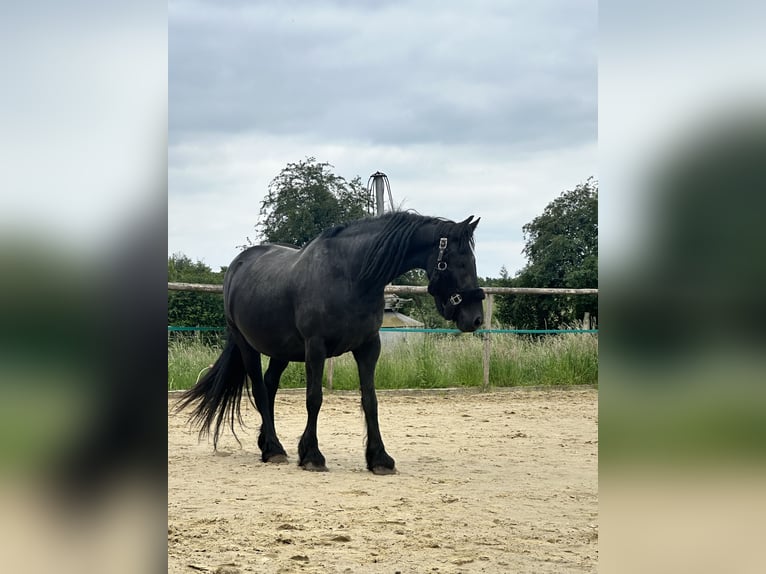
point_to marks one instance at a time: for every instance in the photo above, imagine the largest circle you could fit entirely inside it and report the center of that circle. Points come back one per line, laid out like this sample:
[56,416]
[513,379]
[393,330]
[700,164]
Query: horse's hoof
[381,470]
[277,459]
[315,467]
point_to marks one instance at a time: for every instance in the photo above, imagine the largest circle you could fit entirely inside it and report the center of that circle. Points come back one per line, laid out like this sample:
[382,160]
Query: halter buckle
[456,299]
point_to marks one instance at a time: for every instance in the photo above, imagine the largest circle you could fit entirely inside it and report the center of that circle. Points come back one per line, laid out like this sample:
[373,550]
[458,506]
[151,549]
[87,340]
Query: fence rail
[417,289]
[172,329]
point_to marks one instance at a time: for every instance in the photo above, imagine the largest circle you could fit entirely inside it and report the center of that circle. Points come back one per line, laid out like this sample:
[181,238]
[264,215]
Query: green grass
[433,361]
[185,361]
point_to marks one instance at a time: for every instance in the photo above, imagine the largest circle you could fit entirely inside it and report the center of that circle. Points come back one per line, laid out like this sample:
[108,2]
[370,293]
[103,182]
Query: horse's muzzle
[459,298]
[464,308]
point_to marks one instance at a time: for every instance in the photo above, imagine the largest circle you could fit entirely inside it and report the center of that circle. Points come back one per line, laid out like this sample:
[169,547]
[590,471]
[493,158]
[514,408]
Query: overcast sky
[487,108]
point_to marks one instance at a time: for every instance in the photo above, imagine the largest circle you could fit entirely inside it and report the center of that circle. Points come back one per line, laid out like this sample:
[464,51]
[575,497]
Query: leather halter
[457,297]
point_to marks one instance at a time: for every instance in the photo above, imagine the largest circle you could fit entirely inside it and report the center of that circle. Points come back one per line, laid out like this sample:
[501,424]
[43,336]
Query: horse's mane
[393,233]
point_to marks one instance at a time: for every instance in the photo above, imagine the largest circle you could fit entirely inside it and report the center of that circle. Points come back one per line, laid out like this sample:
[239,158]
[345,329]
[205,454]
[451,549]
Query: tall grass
[186,359]
[433,361]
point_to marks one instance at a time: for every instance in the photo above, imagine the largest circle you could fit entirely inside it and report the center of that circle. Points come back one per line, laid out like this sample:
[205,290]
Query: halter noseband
[458,296]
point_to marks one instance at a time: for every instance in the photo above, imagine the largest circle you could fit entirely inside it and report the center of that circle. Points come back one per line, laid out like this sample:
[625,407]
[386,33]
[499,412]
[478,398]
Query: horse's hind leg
[271,449]
[309,456]
[271,379]
[378,460]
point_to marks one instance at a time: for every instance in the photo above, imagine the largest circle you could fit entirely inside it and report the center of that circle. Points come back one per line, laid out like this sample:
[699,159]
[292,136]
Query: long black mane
[394,233]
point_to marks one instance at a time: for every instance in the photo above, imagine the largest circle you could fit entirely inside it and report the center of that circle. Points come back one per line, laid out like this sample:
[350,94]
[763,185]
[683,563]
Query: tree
[561,246]
[193,309]
[307,198]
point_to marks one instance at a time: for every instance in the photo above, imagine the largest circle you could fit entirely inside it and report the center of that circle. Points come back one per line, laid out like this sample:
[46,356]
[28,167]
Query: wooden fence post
[487,325]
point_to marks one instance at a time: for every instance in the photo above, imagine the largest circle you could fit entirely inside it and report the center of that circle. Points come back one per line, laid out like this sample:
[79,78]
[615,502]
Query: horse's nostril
[478,321]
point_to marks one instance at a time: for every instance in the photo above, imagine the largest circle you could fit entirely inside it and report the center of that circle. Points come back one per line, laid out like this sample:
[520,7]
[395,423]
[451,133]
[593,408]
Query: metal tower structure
[377,184]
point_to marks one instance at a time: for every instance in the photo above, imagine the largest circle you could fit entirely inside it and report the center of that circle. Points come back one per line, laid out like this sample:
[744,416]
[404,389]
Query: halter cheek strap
[441,265]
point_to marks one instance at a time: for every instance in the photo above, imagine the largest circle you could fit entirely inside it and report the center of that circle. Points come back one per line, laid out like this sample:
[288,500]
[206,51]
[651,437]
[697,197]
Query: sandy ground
[505,481]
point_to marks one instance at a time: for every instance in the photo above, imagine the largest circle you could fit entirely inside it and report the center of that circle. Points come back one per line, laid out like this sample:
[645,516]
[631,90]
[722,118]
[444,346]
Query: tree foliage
[305,199]
[194,309]
[561,246]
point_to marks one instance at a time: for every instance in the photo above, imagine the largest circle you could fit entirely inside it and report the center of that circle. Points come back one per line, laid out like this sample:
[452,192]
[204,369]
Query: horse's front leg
[309,456]
[378,460]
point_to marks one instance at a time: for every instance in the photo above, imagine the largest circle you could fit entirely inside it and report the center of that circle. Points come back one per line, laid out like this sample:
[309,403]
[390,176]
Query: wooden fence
[207,288]
[417,289]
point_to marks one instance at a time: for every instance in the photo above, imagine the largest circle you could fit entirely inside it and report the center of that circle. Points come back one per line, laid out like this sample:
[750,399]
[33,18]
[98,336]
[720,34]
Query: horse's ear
[469,226]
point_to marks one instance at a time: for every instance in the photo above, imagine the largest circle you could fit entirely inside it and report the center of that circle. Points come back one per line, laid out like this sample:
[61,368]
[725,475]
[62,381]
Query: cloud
[502,73]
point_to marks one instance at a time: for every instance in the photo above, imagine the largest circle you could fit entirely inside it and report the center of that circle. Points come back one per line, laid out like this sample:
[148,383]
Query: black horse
[321,301]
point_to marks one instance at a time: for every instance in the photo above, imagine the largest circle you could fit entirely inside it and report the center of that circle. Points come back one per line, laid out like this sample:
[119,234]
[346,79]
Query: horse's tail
[218,393]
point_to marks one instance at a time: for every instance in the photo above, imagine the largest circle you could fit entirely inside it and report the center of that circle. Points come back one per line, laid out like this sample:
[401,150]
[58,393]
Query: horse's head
[452,277]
